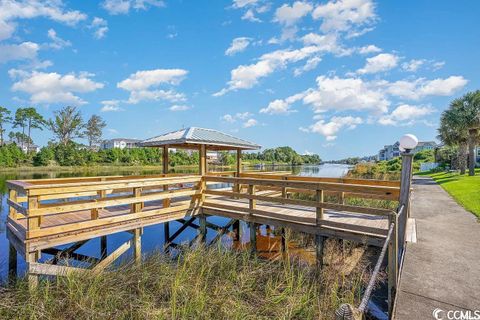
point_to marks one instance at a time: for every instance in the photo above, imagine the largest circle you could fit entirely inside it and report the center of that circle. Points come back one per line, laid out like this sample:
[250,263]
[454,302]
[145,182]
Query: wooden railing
[80,203]
[76,203]
[316,188]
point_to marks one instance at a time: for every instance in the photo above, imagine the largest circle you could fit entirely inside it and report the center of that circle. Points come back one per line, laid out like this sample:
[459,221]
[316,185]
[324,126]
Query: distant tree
[67,125]
[93,130]
[20,121]
[34,120]
[19,138]
[5,117]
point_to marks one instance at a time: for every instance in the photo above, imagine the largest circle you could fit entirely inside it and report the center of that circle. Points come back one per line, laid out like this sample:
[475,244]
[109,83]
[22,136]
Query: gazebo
[200,139]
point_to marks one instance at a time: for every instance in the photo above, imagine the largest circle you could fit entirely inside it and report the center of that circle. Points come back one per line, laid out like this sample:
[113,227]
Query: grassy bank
[463,188]
[202,283]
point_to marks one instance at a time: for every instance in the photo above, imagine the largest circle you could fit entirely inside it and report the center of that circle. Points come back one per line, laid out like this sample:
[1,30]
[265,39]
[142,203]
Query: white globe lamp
[408,142]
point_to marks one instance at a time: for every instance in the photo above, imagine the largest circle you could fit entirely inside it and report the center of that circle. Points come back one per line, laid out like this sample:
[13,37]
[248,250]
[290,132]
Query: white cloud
[22,51]
[143,85]
[228,118]
[123,6]
[345,94]
[238,116]
[369,49]
[289,15]
[413,65]
[250,123]
[325,43]
[100,27]
[178,107]
[53,87]
[10,11]
[405,114]
[247,76]
[110,106]
[57,42]
[311,64]
[249,15]
[330,129]
[279,106]
[237,45]
[351,16]
[380,63]
[238,4]
[421,87]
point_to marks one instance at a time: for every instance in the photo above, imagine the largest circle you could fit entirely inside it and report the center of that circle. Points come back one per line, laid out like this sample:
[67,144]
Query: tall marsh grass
[199,283]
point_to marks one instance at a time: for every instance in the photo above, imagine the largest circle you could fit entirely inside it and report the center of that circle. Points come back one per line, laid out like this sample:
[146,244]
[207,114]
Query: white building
[120,143]
[391,151]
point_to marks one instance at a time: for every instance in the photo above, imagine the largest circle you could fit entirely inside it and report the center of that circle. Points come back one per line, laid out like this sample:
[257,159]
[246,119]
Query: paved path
[441,270]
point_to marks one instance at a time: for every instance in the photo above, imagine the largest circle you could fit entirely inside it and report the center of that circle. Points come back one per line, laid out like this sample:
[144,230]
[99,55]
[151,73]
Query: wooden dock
[48,213]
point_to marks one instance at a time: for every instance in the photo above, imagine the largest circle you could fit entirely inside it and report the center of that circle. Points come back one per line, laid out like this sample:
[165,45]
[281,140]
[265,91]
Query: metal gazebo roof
[193,136]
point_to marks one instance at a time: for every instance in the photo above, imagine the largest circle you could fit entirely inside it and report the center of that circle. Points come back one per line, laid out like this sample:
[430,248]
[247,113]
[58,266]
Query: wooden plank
[53,270]
[105,185]
[339,187]
[319,210]
[14,208]
[55,208]
[104,221]
[306,203]
[112,257]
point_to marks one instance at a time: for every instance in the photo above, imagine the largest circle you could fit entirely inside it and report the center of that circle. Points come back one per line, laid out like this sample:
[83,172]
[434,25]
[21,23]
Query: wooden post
[137,207]
[283,241]
[166,232]
[103,247]
[12,195]
[137,244]
[32,257]
[319,240]
[284,189]
[32,222]
[252,203]
[319,248]
[392,262]
[166,202]
[253,237]
[203,160]
[12,263]
[203,228]
[239,170]
[236,230]
[404,199]
[101,194]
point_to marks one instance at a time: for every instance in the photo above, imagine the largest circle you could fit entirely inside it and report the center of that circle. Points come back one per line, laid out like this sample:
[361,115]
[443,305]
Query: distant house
[425,145]
[391,151]
[25,148]
[119,143]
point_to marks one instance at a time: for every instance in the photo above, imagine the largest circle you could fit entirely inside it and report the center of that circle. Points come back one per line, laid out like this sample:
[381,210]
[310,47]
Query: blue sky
[337,78]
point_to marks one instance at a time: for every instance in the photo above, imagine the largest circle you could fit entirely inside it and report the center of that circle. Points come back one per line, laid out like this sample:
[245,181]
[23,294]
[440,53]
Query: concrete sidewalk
[441,270]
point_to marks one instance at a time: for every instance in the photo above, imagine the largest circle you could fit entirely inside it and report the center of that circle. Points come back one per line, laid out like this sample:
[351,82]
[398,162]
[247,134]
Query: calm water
[153,236]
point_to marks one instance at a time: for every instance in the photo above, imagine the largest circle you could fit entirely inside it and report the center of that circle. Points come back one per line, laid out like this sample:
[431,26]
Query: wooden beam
[53,270]
[112,257]
[239,162]
[253,237]
[319,250]
[166,202]
[31,259]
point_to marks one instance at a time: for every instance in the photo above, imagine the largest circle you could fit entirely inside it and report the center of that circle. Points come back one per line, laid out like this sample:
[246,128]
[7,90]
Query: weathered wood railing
[89,200]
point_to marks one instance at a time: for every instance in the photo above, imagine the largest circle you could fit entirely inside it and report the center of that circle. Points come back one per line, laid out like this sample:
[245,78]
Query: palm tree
[452,132]
[4,119]
[67,124]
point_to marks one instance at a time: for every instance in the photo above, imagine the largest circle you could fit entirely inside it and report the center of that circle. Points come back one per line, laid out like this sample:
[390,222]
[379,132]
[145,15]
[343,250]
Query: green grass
[463,188]
[201,283]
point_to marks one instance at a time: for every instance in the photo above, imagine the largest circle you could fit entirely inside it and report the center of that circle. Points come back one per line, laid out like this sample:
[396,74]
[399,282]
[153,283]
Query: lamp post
[407,143]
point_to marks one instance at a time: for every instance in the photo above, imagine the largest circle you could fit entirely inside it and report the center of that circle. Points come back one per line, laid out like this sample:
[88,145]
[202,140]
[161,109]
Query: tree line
[68,124]
[459,131]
